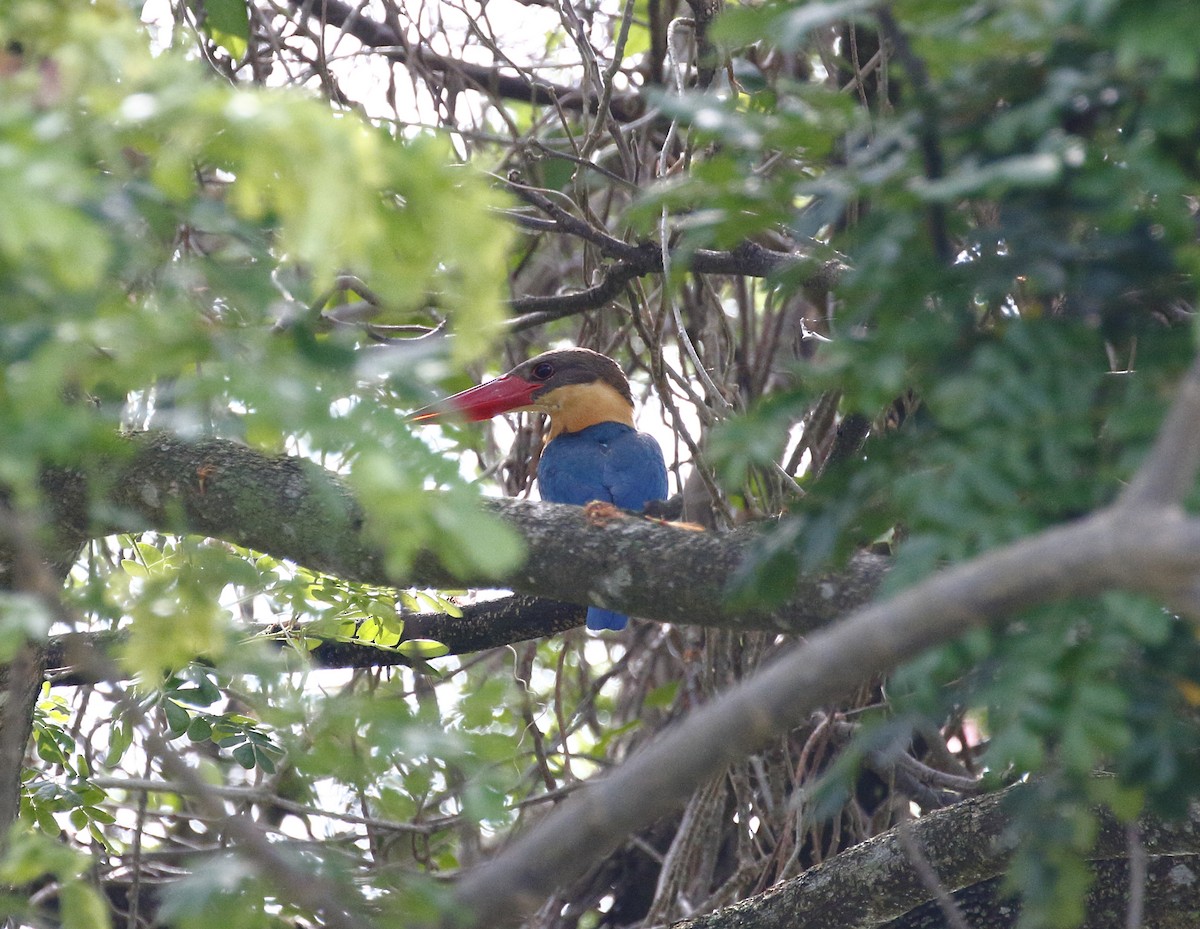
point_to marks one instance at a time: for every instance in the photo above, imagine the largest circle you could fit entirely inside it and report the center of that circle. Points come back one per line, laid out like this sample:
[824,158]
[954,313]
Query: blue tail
[605,619]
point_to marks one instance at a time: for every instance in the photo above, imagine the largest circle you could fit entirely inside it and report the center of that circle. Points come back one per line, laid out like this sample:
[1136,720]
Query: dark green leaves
[1014,218]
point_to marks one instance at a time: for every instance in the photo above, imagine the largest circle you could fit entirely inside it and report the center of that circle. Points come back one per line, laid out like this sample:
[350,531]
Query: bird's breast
[608,461]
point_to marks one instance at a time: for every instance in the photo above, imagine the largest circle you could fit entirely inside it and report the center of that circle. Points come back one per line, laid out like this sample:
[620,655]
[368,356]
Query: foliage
[1072,231]
[1006,193]
[163,233]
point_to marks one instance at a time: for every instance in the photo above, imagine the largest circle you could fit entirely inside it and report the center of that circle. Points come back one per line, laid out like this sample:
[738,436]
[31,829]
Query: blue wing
[609,462]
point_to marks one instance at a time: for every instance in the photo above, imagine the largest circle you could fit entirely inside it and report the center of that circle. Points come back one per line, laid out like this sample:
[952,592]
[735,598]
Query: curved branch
[538,310]
[1169,472]
[485,78]
[749,259]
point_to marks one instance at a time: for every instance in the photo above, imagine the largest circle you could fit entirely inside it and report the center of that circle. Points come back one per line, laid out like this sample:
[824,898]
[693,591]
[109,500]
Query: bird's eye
[543,370]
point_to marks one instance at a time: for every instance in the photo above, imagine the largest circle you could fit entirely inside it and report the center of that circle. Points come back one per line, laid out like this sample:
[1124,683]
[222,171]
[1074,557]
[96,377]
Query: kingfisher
[594,452]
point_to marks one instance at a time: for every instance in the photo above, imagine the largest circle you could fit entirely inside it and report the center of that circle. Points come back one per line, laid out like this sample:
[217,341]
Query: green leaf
[474,541]
[741,25]
[119,739]
[662,697]
[97,815]
[46,821]
[149,554]
[199,729]
[1041,169]
[178,719]
[31,855]
[245,755]
[422,648]
[83,907]
[264,760]
[228,22]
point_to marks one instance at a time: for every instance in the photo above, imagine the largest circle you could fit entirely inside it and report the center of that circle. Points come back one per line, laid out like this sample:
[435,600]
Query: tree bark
[292,509]
[20,683]
[484,625]
[34,561]
[876,884]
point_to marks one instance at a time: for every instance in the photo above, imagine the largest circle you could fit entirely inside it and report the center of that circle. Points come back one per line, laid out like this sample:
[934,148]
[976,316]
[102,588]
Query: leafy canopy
[1015,214]
[167,244]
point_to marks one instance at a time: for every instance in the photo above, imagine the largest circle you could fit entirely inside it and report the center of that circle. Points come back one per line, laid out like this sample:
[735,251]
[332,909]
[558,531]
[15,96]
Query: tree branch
[292,509]
[1136,552]
[748,258]
[875,882]
[1169,471]
[490,624]
[1172,899]
[485,78]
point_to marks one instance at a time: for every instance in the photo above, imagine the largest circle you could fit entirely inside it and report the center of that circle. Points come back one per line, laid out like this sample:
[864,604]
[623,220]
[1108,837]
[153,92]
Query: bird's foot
[601,513]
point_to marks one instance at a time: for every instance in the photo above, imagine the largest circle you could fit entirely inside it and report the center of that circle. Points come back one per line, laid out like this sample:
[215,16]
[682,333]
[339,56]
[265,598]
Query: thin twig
[930,134]
[946,903]
[259,795]
[1138,864]
[603,117]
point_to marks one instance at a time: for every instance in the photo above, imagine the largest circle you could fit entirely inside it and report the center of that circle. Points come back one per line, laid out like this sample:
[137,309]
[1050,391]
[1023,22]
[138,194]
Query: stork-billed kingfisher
[594,452]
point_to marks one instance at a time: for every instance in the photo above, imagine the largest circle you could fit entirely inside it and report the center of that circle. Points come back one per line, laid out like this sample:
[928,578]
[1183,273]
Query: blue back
[610,462]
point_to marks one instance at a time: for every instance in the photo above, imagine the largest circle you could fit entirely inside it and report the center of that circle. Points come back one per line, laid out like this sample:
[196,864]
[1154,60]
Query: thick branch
[1170,889]
[293,509]
[874,882]
[32,569]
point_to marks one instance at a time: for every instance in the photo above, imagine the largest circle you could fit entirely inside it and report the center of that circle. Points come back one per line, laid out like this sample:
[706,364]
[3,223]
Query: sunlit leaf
[228,22]
[422,648]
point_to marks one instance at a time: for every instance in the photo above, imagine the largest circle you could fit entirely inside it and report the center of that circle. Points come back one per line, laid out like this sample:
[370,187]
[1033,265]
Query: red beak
[482,402]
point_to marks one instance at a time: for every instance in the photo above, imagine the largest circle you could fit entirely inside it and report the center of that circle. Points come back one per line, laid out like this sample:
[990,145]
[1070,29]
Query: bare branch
[487,79]
[749,259]
[1169,472]
[490,624]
